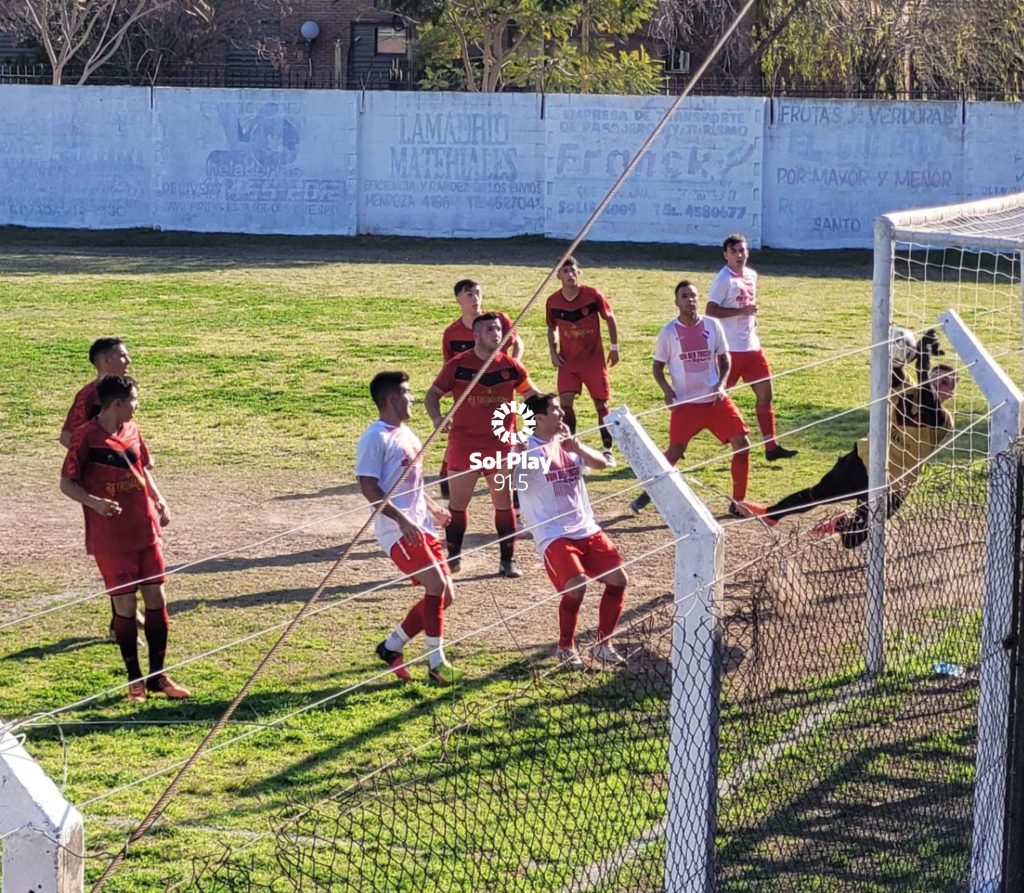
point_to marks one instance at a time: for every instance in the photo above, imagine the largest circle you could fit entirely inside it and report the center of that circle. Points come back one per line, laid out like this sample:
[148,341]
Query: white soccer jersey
[554,503]
[732,292]
[691,354]
[383,453]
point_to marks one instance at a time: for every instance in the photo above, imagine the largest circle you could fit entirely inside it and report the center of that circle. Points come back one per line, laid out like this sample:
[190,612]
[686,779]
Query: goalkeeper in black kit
[918,425]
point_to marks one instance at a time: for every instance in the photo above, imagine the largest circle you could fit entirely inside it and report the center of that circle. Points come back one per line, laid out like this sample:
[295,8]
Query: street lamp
[310,31]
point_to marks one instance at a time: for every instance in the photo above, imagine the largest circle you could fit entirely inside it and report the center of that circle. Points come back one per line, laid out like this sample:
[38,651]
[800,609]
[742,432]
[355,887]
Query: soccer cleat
[609,457]
[640,503]
[779,452]
[137,693]
[829,526]
[455,564]
[606,653]
[569,658]
[741,508]
[444,674]
[509,569]
[166,686]
[395,660]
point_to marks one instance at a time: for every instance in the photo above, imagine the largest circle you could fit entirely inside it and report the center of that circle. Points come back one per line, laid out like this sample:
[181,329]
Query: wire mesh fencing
[826,779]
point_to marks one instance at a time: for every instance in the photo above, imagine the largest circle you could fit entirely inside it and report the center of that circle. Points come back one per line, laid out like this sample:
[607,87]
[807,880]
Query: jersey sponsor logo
[576,314]
[491,378]
[117,458]
[459,346]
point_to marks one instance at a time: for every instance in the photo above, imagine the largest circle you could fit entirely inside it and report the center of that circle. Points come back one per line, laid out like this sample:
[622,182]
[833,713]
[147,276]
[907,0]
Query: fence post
[1005,401]
[42,833]
[694,707]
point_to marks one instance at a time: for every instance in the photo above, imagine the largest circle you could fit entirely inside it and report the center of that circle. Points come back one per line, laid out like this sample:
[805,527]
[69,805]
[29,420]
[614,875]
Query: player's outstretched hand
[927,347]
[108,508]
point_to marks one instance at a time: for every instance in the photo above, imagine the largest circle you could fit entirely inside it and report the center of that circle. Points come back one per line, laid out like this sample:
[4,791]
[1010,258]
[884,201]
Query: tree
[888,46]
[696,25]
[492,45]
[85,33]
[173,37]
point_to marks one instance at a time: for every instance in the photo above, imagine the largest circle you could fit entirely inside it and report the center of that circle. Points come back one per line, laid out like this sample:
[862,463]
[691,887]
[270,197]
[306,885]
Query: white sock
[396,641]
[435,651]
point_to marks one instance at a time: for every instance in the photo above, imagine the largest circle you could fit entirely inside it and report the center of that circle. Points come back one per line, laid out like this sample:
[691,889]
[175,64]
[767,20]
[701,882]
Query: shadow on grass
[106,252]
[64,646]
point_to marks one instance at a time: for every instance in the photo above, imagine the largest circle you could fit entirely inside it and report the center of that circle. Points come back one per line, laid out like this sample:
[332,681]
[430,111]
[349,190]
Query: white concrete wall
[75,157]
[254,161]
[700,179]
[461,164]
[832,167]
[789,173]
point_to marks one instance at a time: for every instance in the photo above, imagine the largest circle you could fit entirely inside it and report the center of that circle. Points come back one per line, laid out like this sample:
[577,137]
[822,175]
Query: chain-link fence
[827,780]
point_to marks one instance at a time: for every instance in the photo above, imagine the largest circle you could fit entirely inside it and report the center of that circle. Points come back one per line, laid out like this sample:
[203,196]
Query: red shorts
[722,419]
[593,555]
[748,366]
[409,559]
[458,452]
[571,380]
[124,572]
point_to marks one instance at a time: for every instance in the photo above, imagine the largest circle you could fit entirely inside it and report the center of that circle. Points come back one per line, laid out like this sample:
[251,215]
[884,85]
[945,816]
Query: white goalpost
[957,269]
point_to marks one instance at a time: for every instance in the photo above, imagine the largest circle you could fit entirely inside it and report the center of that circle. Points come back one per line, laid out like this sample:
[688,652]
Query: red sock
[610,610]
[766,422]
[456,530]
[568,613]
[413,623]
[124,632]
[740,469]
[505,524]
[433,615]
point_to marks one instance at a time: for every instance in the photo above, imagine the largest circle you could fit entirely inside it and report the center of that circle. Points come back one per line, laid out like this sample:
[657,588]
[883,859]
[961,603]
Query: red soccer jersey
[458,337]
[85,406]
[500,383]
[111,466]
[578,323]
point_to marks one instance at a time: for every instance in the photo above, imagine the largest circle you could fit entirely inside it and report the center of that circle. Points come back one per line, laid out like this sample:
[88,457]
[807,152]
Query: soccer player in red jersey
[107,470]
[109,356]
[405,524]
[733,300]
[569,541]
[697,355]
[458,337]
[574,315]
[472,435]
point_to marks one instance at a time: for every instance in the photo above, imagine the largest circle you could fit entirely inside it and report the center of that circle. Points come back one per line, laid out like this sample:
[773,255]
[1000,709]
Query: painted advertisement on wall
[700,180]
[832,167]
[255,161]
[458,164]
[75,157]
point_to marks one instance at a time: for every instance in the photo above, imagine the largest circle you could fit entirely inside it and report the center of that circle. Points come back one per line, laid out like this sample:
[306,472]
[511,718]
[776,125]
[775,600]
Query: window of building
[391,41]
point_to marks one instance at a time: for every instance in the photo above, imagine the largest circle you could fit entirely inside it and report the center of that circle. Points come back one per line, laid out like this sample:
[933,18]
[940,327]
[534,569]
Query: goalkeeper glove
[927,347]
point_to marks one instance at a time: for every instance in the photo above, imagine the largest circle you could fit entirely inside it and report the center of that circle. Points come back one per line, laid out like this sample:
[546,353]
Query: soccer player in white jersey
[405,524]
[733,301]
[697,355]
[572,546]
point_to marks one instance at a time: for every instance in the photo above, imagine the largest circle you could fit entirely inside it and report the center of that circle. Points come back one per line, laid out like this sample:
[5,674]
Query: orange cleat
[137,693]
[829,526]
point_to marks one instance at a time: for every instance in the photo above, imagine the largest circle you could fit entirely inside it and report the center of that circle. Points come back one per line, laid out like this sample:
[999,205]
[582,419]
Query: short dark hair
[101,346]
[384,384]
[942,369]
[570,261]
[463,284]
[115,387]
[684,283]
[732,239]
[485,317]
[539,404]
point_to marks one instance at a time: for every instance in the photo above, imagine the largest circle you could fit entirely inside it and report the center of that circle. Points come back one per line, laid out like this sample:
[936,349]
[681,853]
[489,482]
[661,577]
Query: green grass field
[253,356]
